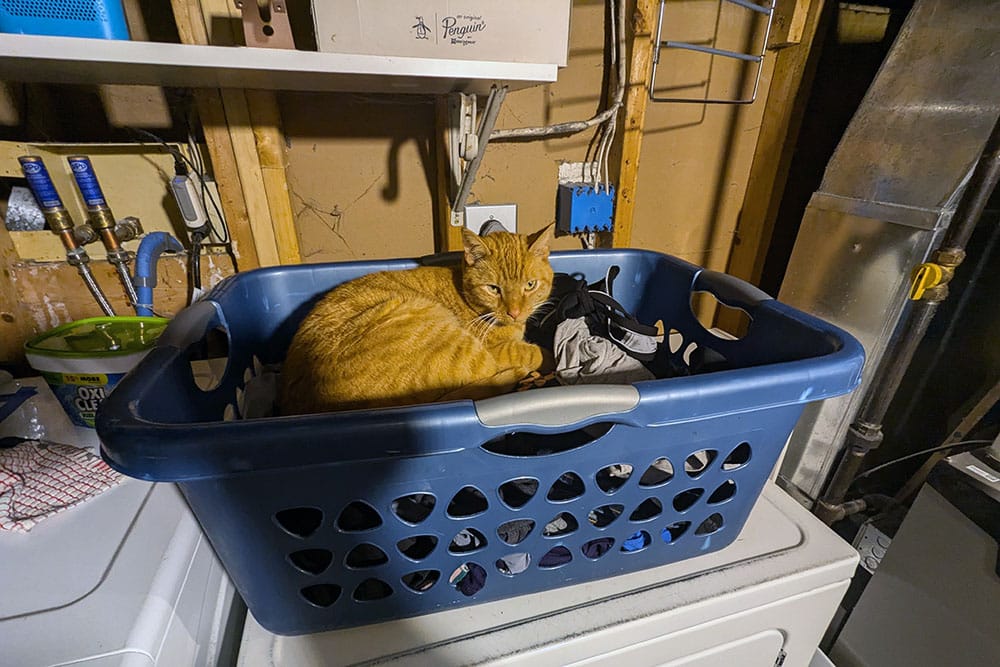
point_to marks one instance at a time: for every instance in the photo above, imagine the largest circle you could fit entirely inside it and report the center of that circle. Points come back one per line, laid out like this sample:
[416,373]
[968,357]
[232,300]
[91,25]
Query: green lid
[98,336]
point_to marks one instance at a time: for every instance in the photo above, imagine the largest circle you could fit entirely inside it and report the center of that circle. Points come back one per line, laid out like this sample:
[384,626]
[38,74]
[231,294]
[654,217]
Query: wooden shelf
[31,58]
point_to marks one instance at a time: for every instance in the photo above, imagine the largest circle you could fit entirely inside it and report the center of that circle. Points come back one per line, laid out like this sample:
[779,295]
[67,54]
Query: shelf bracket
[265,23]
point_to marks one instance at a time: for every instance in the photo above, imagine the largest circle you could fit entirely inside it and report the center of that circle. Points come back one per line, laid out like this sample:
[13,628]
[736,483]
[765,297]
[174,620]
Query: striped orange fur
[425,334]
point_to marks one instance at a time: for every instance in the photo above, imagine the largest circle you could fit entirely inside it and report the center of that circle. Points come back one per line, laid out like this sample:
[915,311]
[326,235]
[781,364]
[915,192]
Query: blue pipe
[150,249]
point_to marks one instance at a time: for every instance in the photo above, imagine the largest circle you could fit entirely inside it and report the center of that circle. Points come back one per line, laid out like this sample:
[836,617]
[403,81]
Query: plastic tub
[342,519]
[83,361]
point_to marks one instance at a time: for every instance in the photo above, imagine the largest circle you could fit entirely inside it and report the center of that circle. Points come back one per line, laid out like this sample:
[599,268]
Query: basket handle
[730,290]
[191,324]
[568,406]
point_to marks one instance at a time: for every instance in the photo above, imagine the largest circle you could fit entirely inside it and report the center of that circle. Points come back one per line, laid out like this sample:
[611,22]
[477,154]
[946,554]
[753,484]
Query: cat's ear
[539,243]
[475,249]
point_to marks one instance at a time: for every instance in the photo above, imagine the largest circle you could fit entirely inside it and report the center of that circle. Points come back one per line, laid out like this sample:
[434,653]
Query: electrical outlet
[477,215]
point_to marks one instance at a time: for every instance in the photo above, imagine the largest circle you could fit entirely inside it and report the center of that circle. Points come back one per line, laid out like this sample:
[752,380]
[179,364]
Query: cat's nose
[514,312]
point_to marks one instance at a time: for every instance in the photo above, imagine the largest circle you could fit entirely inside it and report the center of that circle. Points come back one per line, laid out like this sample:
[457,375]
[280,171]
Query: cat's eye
[493,288]
[532,284]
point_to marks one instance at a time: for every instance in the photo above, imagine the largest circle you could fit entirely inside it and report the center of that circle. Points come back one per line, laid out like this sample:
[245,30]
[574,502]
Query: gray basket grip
[191,324]
[728,289]
[557,406]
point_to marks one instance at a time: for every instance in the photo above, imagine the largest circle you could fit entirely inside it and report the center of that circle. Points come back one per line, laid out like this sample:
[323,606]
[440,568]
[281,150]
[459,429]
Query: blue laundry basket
[343,519]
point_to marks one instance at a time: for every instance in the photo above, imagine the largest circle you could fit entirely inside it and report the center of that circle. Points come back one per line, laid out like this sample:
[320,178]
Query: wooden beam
[447,237]
[786,101]
[258,145]
[226,170]
[642,28]
[244,144]
[193,29]
[789,23]
[15,325]
[266,121]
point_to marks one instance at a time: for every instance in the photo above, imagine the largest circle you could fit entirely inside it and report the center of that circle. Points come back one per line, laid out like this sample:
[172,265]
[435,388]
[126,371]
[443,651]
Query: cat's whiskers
[479,326]
[541,310]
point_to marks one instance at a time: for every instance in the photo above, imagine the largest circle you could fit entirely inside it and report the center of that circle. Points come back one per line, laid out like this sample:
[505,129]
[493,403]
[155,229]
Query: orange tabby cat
[425,334]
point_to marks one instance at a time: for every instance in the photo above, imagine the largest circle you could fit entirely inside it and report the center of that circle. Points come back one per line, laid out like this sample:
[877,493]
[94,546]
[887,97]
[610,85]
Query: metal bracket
[265,23]
[465,146]
[748,57]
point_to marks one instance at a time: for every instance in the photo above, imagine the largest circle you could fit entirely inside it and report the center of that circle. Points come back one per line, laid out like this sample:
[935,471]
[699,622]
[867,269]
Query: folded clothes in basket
[39,479]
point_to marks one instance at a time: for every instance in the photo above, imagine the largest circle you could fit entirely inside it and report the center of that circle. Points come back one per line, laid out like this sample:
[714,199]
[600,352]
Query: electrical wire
[573,127]
[180,157]
[206,194]
[931,450]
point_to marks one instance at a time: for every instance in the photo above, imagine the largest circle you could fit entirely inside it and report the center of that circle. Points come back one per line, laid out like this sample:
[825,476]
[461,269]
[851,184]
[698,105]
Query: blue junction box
[582,208]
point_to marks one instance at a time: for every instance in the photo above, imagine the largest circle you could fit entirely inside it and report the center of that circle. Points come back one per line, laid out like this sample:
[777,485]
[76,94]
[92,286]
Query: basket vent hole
[710,311]
[321,595]
[568,486]
[300,521]
[648,509]
[358,516]
[685,500]
[555,557]
[710,525]
[738,458]
[697,463]
[421,580]
[688,351]
[468,578]
[469,501]
[512,564]
[311,561]
[672,533]
[611,478]
[372,589]
[365,555]
[538,444]
[605,515]
[659,472]
[209,359]
[417,547]
[517,492]
[516,531]
[562,524]
[413,508]
[725,491]
[675,339]
[466,541]
[636,542]
[594,549]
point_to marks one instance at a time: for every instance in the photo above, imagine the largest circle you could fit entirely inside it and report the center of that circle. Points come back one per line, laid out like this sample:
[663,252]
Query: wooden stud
[789,23]
[192,28]
[15,326]
[782,119]
[266,120]
[636,96]
[241,134]
[447,236]
[226,172]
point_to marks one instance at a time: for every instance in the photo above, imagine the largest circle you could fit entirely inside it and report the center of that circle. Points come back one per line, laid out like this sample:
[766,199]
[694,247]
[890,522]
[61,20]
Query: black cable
[196,238]
[931,450]
[206,194]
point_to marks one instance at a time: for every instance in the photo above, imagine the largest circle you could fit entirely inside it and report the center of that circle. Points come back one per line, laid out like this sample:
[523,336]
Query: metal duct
[888,193]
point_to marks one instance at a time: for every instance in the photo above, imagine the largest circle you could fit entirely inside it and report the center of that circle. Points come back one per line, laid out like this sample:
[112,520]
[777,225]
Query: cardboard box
[522,31]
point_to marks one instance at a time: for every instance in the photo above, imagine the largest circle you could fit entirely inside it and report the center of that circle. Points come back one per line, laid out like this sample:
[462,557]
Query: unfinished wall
[361,168]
